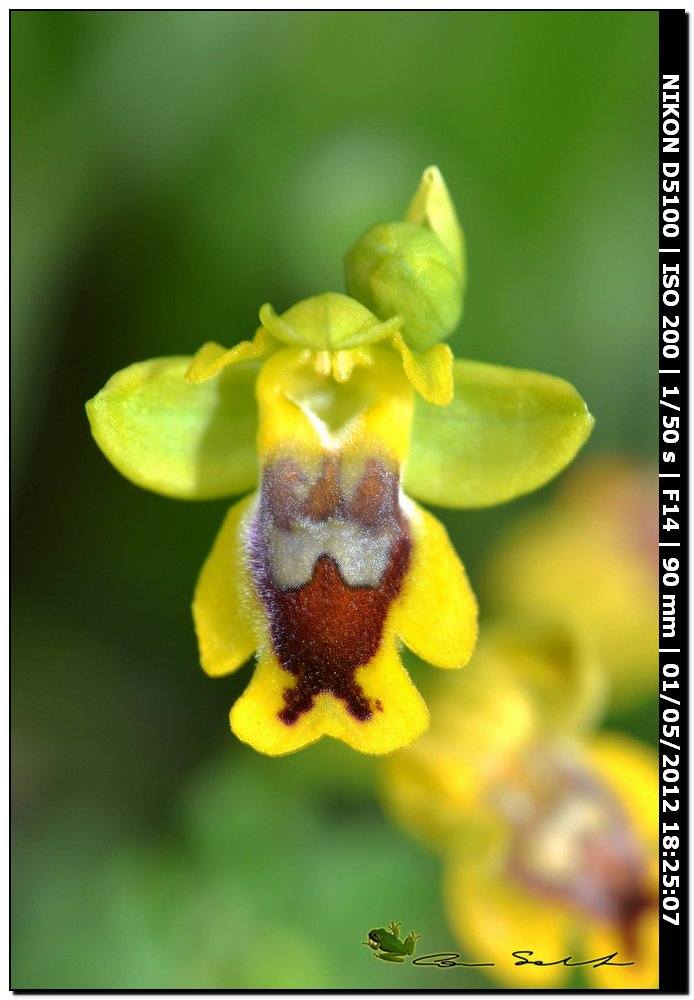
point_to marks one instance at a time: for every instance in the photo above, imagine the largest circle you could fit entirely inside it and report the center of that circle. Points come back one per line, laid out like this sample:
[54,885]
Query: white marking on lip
[361,555]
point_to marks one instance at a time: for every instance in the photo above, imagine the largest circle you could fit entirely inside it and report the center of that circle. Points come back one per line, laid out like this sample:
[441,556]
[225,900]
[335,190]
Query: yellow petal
[212,357]
[224,607]
[604,939]
[430,372]
[436,614]
[402,717]
[588,558]
[441,788]
[492,918]
[631,771]
[555,667]
[438,797]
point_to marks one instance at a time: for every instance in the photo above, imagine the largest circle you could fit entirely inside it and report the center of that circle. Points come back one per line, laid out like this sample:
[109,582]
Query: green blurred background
[172,171]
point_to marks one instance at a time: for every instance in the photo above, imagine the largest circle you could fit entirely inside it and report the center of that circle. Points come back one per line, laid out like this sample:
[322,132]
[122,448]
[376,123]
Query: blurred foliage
[271,877]
[172,171]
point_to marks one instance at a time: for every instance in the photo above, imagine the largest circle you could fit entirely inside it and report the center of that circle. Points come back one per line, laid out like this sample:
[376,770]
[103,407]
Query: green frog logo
[387,944]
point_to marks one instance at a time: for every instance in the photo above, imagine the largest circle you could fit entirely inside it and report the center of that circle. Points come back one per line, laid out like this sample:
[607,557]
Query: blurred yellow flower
[589,559]
[339,410]
[548,834]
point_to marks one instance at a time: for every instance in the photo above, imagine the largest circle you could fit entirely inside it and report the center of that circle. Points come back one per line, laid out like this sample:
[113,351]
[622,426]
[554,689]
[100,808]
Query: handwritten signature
[449,959]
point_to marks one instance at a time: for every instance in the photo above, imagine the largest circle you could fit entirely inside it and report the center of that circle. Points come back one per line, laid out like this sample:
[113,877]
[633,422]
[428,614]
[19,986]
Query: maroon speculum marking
[610,879]
[325,628]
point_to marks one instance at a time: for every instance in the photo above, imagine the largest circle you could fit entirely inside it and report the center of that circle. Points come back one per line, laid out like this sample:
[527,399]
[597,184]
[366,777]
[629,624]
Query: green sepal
[505,433]
[185,440]
[327,322]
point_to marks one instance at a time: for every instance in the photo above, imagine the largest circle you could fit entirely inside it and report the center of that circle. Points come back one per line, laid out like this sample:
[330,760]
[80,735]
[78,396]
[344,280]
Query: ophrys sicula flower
[548,830]
[589,559]
[343,413]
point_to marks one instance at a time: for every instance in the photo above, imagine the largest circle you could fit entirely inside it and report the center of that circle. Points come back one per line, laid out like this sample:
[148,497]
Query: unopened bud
[432,207]
[401,268]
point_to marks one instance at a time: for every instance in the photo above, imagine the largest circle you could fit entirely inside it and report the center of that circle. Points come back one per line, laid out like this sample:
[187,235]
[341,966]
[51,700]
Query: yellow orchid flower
[549,833]
[331,564]
[335,410]
[589,559]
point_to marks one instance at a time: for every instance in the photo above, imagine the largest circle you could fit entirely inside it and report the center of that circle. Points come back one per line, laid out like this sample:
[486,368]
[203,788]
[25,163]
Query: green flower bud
[432,207]
[403,268]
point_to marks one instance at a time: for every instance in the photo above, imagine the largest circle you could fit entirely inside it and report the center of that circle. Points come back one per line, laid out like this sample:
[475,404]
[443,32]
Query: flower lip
[572,841]
[329,621]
